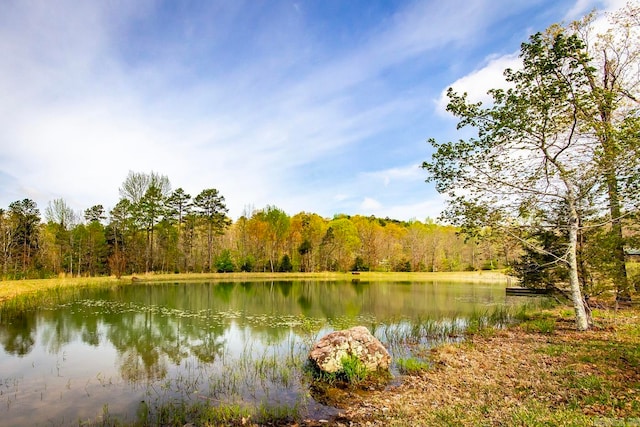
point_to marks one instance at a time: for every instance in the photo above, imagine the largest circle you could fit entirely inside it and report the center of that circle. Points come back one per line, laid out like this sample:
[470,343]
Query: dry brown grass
[13,288]
[521,377]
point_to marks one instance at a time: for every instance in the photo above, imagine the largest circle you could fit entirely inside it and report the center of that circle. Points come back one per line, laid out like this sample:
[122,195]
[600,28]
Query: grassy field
[13,288]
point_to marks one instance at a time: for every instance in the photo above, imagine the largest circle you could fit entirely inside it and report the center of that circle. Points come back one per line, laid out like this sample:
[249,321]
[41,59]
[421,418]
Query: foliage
[539,266]
[177,240]
[21,238]
[247,264]
[285,265]
[210,207]
[224,263]
[152,229]
[549,147]
[359,265]
[353,370]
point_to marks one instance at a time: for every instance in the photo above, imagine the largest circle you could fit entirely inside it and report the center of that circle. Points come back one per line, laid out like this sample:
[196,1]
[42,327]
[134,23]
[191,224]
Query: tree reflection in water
[243,341]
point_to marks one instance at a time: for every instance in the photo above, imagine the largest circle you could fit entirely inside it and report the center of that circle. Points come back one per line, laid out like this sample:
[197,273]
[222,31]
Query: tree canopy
[549,151]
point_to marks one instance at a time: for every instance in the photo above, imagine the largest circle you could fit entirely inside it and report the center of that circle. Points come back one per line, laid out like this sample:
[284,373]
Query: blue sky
[322,106]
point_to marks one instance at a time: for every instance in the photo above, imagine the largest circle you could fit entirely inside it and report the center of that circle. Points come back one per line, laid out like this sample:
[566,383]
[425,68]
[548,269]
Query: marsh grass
[353,370]
[44,288]
[204,413]
[403,337]
[252,388]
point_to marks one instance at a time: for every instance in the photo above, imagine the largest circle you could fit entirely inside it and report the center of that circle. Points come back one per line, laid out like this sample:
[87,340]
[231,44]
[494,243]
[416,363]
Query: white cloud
[579,9]
[583,7]
[477,83]
[430,208]
[370,204]
[397,174]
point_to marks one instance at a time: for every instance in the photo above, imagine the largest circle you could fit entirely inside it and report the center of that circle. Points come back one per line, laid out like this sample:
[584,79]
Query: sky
[320,106]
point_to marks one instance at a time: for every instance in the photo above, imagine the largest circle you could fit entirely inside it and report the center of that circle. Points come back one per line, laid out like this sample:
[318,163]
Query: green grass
[538,415]
[353,370]
[539,326]
[412,365]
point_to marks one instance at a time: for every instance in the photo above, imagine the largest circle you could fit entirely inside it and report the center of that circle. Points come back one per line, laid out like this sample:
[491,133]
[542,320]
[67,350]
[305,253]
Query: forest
[156,229]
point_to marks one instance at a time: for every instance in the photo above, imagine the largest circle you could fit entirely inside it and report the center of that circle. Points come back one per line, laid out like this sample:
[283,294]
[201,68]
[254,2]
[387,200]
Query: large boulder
[327,354]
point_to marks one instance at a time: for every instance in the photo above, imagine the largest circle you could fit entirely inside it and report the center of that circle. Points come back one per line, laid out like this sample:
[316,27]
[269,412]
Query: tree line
[153,228]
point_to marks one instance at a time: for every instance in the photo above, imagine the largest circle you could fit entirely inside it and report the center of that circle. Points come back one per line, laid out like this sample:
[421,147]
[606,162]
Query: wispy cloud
[241,97]
[490,75]
[477,83]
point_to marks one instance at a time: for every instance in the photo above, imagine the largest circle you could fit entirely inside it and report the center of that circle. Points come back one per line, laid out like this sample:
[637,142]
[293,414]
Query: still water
[119,353]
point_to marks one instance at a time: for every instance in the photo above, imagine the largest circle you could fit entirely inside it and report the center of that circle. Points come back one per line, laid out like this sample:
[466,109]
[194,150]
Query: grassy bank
[13,288]
[539,373]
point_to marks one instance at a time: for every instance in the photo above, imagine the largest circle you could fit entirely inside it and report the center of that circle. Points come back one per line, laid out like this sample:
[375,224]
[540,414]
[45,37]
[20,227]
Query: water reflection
[16,335]
[166,341]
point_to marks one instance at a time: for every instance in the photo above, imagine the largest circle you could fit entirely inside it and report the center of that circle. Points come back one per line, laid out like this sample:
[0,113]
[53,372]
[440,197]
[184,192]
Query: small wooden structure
[517,291]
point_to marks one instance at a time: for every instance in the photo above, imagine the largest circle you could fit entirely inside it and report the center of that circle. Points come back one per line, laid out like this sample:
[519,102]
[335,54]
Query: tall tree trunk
[151,249]
[582,318]
[209,246]
[620,276]
[610,155]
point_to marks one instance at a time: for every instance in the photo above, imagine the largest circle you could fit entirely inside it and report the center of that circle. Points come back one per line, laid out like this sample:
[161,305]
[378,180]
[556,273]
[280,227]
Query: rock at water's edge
[328,352]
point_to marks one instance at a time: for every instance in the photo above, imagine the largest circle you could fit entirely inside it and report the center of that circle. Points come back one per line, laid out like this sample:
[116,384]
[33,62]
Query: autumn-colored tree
[340,244]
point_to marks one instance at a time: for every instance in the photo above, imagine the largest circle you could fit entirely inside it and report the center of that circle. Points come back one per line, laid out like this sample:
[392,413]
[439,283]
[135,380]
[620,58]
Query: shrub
[224,263]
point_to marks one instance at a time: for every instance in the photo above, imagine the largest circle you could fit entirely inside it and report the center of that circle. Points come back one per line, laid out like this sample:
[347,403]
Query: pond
[126,353]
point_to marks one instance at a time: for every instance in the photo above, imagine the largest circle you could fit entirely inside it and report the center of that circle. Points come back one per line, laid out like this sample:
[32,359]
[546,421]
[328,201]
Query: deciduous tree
[611,115]
[528,153]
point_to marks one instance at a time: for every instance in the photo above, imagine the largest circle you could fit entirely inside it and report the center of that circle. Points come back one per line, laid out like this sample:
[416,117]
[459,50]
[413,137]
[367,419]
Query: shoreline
[538,372]
[13,288]
[525,374]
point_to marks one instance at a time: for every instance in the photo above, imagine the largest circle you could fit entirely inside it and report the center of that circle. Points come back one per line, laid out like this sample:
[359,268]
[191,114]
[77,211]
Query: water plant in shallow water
[352,375]
[353,370]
